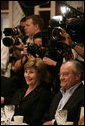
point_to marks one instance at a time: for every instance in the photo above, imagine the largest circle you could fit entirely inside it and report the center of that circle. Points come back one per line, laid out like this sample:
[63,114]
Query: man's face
[67,77]
[29,28]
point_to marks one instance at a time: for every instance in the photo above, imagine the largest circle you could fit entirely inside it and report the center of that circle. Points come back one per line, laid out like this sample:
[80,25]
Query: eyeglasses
[64,74]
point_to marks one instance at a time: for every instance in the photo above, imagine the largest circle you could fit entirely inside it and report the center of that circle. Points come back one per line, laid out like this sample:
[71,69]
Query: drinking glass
[2,112]
[3,117]
[9,112]
[61,117]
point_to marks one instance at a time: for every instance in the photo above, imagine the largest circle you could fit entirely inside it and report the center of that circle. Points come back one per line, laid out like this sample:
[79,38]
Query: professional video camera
[53,33]
[13,31]
[13,36]
[10,41]
[75,28]
[53,40]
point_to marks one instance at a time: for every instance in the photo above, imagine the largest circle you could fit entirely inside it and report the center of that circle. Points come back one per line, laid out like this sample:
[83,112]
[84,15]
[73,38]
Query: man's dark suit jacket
[73,105]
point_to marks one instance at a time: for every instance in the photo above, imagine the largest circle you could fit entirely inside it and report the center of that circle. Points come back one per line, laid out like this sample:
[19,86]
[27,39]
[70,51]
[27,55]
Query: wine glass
[61,117]
[9,112]
[3,117]
[2,112]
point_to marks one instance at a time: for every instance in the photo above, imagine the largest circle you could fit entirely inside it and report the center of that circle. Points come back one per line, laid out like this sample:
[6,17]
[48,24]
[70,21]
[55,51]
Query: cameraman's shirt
[29,40]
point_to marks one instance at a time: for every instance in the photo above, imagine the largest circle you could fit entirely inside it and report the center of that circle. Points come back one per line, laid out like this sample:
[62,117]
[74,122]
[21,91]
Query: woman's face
[31,76]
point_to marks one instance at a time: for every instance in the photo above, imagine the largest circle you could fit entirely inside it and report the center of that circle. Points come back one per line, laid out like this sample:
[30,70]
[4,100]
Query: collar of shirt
[29,40]
[70,90]
[65,96]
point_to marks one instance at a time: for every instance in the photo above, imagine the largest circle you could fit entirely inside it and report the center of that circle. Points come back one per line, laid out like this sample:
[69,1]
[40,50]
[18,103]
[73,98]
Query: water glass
[9,112]
[61,117]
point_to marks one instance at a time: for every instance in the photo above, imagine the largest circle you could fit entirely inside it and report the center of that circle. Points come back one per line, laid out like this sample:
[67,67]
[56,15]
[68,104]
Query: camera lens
[7,41]
[10,31]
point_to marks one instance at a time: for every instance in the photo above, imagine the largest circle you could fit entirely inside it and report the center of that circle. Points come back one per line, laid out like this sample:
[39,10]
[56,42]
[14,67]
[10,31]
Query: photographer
[77,47]
[11,85]
[18,47]
[33,25]
[22,33]
[13,38]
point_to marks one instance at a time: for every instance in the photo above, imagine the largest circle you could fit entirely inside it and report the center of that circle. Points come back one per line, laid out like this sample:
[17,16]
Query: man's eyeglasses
[64,74]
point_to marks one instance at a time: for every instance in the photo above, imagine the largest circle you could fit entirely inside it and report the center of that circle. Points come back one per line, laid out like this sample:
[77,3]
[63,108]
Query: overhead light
[58,18]
[64,9]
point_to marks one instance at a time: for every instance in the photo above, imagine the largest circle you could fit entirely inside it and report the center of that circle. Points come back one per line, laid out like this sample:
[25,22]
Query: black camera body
[53,33]
[34,49]
[13,36]
[10,41]
[13,31]
[75,28]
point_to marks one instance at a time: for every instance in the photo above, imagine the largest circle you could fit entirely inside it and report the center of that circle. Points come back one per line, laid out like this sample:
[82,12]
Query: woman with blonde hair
[33,101]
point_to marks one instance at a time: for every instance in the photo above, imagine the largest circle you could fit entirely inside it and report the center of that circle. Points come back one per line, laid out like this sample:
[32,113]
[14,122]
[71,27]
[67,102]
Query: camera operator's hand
[18,49]
[19,31]
[20,46]
[26,53]
[67,37]
[25,50]
[2,100]
[79,49]
[49,61]
[68,56]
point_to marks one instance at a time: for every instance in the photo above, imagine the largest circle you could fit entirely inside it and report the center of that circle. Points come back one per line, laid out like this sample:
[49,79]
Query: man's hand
[47,123]
[49,61]
[67,37]
[2,100]
[20,46]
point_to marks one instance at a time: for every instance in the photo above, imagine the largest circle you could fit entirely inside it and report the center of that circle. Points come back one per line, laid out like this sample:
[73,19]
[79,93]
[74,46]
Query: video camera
[13,31]
[10,41]
[75,28]
[53,33]
[13,35]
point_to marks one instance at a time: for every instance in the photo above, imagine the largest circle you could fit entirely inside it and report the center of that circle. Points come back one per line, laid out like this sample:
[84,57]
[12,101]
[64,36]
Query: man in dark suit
[71,95]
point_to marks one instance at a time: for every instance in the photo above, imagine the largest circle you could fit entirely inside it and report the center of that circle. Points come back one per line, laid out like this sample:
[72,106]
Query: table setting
[61,118]
[8,118]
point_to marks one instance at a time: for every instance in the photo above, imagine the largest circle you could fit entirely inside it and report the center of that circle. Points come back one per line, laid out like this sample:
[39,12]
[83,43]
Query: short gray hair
[77,67]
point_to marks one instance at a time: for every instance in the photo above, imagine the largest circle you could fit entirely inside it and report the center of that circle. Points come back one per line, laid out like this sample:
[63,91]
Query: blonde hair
[40,67]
